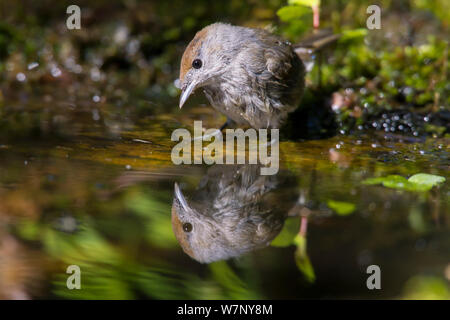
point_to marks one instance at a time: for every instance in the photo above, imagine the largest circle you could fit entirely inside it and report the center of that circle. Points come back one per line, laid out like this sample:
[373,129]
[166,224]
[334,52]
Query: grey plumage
[252,76]
[234,210]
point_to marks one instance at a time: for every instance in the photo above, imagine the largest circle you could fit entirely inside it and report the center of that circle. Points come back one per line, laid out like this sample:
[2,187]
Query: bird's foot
[229,123]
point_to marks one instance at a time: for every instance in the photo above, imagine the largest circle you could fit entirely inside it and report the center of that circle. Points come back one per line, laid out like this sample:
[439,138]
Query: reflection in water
[234,210]
[78,204]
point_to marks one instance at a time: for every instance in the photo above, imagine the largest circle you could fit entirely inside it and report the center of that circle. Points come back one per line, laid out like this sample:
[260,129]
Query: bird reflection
[233,211]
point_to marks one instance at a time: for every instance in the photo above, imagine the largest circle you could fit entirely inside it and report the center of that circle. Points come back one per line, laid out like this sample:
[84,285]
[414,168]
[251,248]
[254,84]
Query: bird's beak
[186,92]
[179,196]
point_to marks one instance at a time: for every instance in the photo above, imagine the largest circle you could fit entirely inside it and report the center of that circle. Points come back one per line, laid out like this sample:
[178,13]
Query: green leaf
[353,35]
[287,235]
[373,181]
[419,182]
[341,208]
[302,259]
[396,182]
[391,181]
[291,13]
[308,3]
[426,179]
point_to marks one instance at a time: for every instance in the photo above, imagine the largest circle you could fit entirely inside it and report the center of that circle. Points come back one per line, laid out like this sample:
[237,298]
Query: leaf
[396,182]
[307,3]
[302,259]
[341,208]
[353,35]
[291,13]
[419,182]
[373,181]
[287,235]
[391,181]
[426,179]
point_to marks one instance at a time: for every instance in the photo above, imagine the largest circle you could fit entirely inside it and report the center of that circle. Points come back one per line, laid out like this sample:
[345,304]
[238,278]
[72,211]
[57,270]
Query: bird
[234,210]
[253,77]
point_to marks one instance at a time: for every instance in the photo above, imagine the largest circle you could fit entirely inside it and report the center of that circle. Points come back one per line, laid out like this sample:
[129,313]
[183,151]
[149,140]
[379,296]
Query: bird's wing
[279,60]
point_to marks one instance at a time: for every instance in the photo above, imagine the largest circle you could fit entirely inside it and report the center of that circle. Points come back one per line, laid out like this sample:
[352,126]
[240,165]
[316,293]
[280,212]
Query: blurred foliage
[426,288]
[299,19]
[234,287]
[418,182]
[287,235]
[290,235]
[439,8]
[378,84]
[108,249]
[158,227]
[371,72]
[341,208]
[302,259]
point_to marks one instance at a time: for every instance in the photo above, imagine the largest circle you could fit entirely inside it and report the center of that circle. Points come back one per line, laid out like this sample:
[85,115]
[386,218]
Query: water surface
[89,184]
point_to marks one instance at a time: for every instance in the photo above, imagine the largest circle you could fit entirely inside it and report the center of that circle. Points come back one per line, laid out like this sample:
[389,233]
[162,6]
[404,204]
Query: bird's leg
[227,123]
[303,212]
[303,226]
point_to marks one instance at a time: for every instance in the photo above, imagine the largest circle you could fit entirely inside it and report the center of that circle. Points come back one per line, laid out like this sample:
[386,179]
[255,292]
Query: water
[92,184]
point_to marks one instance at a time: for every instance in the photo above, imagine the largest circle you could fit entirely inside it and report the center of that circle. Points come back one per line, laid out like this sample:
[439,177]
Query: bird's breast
[226,99]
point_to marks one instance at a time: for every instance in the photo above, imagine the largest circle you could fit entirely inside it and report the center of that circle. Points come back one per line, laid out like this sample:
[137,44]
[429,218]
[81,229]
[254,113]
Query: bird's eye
[187,227]
[197,63]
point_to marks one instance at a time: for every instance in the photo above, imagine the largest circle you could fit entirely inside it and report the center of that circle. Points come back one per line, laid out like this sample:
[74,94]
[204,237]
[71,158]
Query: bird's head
[205,59]
[199,235]
[207,233]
